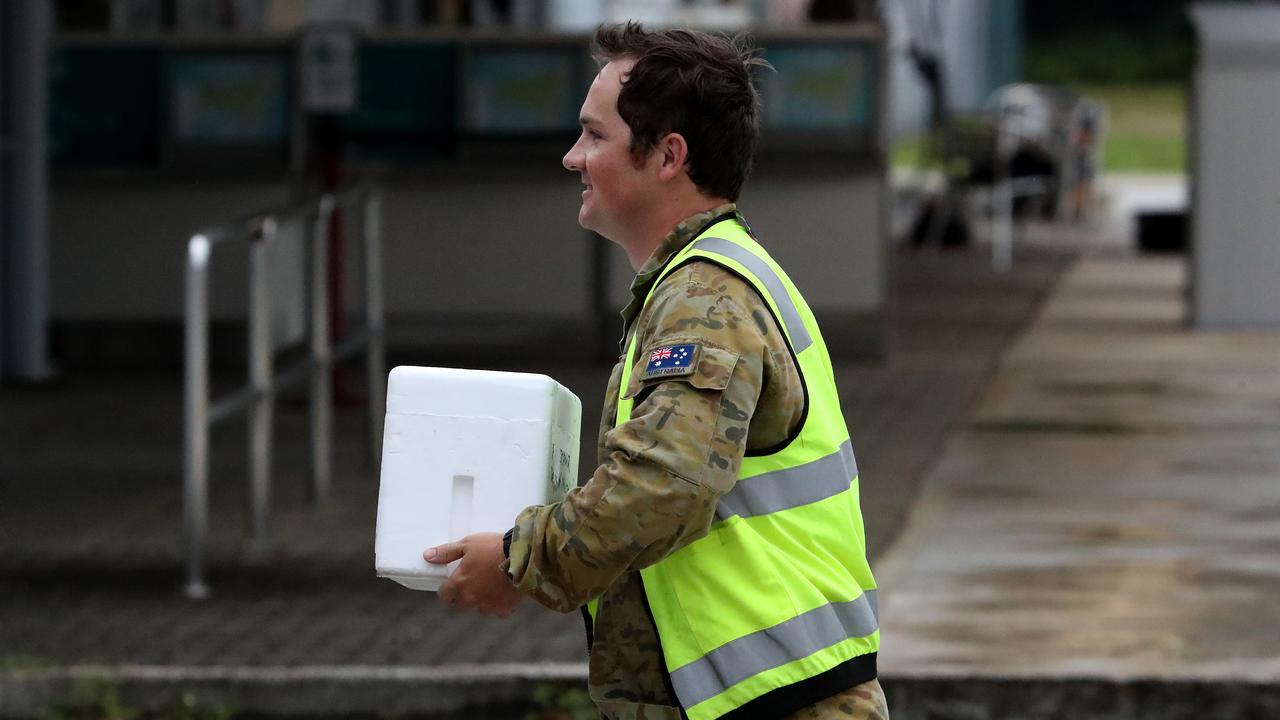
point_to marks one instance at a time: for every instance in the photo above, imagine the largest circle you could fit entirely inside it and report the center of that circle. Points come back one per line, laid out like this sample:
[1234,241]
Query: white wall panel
[1236,166]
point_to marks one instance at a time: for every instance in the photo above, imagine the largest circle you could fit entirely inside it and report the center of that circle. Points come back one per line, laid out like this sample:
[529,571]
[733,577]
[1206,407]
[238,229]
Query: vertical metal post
[1002,202]
[374,321]
[6,142]
[195,451]
[259,360]
[321,432]
[27,272]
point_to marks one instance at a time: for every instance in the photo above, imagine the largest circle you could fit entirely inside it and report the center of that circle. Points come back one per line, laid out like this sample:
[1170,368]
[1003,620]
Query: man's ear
[673,152]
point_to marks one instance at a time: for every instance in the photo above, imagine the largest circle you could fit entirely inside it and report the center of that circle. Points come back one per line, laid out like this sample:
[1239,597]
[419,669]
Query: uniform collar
[675,241]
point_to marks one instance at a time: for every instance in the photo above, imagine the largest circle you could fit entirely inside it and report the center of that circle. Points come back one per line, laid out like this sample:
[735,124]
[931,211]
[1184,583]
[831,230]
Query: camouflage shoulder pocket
[703,366]
[678,414]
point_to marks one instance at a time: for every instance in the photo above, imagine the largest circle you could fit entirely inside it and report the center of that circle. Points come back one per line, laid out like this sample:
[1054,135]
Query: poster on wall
[229,99]
[819,88]
[521,91]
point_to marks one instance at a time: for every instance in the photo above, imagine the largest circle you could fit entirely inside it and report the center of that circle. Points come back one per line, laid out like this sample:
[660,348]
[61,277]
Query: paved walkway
[90,553]
[1100,540]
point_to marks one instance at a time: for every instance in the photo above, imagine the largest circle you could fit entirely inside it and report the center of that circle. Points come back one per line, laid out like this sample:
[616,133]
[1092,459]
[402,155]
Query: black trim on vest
[804,384]
[786,700]
[662,653]
[589,626]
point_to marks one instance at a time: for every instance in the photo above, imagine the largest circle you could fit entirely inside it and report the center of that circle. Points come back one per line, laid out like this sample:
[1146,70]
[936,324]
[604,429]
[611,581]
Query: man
[718,546]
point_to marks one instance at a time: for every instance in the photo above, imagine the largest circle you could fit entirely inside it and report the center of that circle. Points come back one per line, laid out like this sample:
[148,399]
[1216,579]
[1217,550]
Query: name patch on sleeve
[670,360]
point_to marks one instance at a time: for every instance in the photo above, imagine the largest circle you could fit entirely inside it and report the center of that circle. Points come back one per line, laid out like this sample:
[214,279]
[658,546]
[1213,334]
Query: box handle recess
[460,504]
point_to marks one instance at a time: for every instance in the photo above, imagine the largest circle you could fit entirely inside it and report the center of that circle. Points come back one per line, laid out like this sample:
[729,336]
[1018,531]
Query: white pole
[260,413]
[195,450]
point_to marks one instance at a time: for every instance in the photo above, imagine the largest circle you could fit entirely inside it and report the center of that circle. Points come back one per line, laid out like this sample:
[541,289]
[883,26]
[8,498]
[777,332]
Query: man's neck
[648,238]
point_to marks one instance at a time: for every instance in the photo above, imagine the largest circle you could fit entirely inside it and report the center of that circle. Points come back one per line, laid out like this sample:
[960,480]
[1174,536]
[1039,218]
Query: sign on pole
[329,70]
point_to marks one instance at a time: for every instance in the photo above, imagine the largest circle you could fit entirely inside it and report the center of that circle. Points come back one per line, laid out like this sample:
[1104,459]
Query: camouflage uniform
[663,471]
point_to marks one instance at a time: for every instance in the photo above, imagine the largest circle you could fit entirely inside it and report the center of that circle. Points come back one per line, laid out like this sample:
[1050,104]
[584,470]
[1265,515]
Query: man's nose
[571,160]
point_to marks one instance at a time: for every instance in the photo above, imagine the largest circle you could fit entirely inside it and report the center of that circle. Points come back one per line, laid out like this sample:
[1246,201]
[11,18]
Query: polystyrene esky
[464,451]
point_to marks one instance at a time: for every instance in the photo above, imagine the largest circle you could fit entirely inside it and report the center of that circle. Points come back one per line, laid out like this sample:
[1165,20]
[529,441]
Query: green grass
[906,152]
[1146,126]
[25,662]
[1146,129]
[100,700]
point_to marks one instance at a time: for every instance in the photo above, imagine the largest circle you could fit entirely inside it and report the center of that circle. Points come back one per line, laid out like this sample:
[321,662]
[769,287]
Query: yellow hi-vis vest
[775,609]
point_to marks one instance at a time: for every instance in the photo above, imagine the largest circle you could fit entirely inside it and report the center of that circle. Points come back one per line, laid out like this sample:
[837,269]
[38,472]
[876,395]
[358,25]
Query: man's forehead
[601,97]
[600,108]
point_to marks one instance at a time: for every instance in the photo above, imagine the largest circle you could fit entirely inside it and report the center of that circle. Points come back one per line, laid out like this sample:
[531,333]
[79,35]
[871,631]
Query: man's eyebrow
[585,120]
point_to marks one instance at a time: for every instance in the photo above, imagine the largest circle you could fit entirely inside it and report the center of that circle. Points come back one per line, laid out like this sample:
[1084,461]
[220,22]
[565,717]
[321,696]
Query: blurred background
[205,112]
[1024,227]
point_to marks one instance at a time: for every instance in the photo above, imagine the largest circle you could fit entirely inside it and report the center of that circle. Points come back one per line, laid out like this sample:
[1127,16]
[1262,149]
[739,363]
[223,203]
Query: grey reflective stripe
[766,649]
[800,339]
[791,487]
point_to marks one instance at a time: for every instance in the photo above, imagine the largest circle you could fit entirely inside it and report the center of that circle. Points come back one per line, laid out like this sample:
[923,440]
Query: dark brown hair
[694,84]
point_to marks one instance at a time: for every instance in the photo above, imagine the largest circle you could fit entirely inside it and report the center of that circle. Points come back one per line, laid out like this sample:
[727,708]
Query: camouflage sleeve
[656,490]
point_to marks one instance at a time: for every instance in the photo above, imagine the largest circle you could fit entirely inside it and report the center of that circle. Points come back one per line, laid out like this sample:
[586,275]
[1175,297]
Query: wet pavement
[1106,524]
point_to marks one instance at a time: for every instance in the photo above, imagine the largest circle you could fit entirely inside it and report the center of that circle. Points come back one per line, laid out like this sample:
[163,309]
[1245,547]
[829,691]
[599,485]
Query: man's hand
[477,583]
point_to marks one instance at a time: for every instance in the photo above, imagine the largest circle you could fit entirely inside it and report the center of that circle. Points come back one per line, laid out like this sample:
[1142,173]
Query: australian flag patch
[670,360]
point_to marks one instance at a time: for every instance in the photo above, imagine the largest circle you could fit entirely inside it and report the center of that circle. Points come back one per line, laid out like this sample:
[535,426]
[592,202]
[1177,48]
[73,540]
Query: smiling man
[717,551]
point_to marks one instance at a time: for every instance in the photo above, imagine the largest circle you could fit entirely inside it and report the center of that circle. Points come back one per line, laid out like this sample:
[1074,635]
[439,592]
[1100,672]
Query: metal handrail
[201,412]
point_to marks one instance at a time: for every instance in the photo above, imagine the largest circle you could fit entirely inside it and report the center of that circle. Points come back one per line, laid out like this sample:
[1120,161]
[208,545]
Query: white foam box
[464,451]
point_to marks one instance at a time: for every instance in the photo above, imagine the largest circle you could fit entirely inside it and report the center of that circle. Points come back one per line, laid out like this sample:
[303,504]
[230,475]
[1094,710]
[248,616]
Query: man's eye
[594,135]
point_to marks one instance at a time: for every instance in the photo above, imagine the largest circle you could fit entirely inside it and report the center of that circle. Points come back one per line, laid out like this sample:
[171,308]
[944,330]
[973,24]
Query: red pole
[329,161]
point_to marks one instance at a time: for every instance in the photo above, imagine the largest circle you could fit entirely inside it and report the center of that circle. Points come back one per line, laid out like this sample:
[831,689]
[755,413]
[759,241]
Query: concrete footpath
[1102,538]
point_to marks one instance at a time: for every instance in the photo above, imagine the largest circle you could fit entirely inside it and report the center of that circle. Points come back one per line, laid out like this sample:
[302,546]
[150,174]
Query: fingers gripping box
[464,451]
